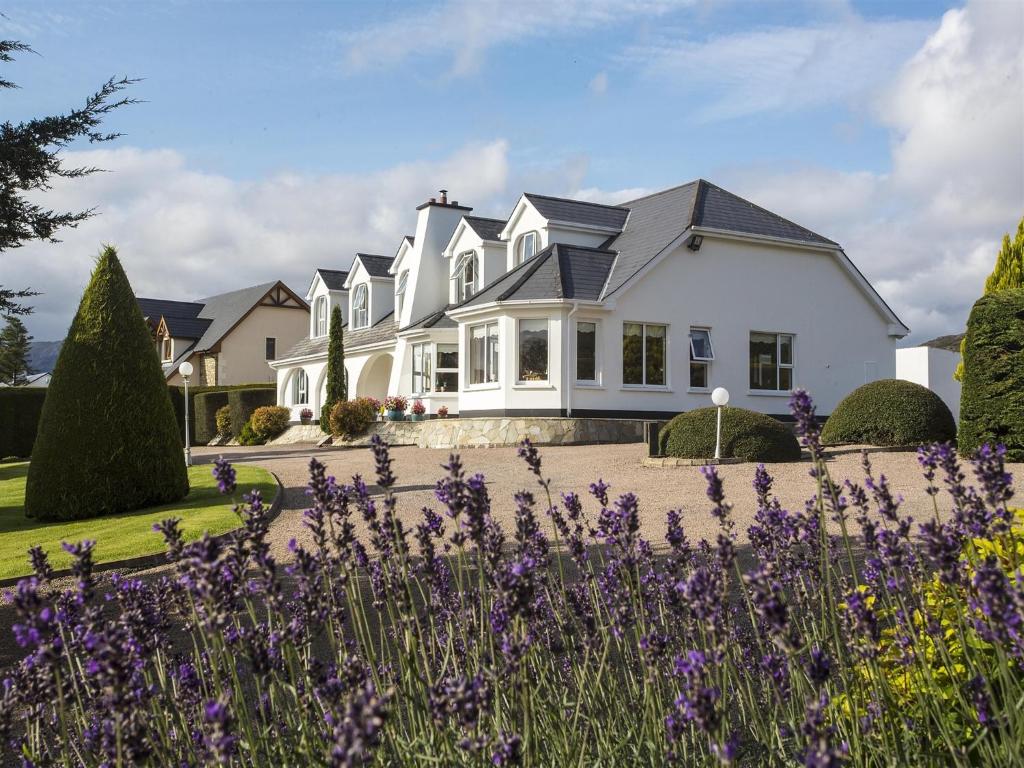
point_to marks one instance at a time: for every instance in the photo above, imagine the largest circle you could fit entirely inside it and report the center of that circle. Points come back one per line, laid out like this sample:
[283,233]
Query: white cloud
[465,30]
[780,68]
[599,84]
[927,232]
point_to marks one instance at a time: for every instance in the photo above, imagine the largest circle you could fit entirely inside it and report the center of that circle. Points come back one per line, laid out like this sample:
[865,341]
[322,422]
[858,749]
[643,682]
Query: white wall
[334,298]
[428,268]
[530,219]
[933,368]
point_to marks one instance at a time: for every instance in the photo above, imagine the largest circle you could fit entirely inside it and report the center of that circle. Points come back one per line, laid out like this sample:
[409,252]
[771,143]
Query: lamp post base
[188,457]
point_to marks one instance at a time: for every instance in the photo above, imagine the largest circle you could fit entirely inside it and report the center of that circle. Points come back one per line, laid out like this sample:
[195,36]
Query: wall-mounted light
[695,242]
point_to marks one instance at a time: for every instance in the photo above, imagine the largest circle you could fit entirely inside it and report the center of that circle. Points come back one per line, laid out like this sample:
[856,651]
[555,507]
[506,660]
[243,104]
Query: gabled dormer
[326,291]
[370,287]
[476,256]
[537,221]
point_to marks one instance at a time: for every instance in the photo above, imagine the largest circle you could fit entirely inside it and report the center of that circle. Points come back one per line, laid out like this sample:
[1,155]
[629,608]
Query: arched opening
[374,378]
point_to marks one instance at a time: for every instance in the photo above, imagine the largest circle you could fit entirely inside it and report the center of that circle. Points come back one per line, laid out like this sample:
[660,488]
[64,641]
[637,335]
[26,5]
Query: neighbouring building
[229,338]
[567,307]
[932,364]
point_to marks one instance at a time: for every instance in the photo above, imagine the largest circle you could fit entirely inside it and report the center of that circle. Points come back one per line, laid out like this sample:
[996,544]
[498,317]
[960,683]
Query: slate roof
[951,342]
[383,330]
[560,271]
[375,266]
[657,220]
[436,319]
[154,309]
[334,279]
[487,229]
[187,327]
[579,212]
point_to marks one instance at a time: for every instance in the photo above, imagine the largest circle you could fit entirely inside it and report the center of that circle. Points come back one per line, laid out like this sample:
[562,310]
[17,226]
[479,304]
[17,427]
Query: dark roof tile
[487,229]
[375,266]
[579,211]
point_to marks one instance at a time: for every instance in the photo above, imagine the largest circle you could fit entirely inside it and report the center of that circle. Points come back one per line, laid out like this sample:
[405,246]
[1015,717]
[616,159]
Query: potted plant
[442,412]
[394,407]
[306,416]
[418,410]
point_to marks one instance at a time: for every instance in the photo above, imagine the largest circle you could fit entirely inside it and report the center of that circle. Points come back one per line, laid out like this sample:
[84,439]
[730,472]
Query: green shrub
[746,435]
[107,440]
[20,409]
[992,398]
[269,421]
[248,435]
[207,406]
[353,417]
[224,420]
[244,401]
[890,412]
[178,401]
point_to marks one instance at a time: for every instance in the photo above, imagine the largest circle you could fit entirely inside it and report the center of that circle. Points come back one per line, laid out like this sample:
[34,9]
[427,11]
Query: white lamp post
[185,369]
[720,397]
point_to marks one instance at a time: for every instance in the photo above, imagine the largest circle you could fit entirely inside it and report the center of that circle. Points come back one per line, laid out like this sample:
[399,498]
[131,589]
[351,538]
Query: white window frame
[400,286]
[596,381]
[488,382]
[426,349]
[320,316]
[464,290]
[547,374]
[779,365]
[519,255]
[362,313]
[666,387]
[705,361]
[300,387]
[439,370]
[167,348]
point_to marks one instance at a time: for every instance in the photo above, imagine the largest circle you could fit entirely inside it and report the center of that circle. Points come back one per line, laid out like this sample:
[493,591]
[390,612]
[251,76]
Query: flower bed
[569,640]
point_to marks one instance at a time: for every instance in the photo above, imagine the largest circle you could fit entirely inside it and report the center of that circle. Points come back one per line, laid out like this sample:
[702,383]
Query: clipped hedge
[352,417]
[890,412]
[992,397]
[243,402]
[206,406]
[746,435]
[178,401]
[20,409]
[269,421]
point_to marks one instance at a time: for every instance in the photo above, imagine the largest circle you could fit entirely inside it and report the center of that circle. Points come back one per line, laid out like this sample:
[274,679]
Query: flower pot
[305,422]
[394,415]
[416,417]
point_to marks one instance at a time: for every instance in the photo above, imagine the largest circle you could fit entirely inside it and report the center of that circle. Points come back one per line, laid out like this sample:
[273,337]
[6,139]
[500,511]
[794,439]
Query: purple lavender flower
[999,604]
[807,429]
[225,474]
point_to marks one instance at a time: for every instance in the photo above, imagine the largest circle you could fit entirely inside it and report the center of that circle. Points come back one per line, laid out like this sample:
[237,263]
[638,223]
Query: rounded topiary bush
[224,420]
[746,435]
[890,412]
[353,417]
[269,421]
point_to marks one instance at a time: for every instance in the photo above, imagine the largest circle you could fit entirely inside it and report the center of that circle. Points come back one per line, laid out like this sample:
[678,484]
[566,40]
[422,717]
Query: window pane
[427,376]
[417,366]
[785,351]
[271,348]
[655,354]
[586,351]
[477,355]
[700,344]
[492,353]
[533,350]
[763,362]
[632,353]
[785,379]
[447,381]
[447,356]
[699,375]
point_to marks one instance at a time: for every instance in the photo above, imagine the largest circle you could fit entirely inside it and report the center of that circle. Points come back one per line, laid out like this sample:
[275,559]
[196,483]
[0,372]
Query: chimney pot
[444,197]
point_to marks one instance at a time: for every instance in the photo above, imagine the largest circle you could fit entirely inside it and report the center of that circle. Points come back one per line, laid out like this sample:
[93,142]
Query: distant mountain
[42,355]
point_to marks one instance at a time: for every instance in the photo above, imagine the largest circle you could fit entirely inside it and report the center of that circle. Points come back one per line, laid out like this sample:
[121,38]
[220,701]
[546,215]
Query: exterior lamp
[185,369]
[720,397]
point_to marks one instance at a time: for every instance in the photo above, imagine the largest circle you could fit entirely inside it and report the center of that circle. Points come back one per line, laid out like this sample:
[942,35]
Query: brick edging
[157,558]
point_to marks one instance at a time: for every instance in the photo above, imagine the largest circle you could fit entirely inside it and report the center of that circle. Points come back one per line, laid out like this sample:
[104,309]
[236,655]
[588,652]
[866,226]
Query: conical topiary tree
[336,379]
[107,440]
[1007,275]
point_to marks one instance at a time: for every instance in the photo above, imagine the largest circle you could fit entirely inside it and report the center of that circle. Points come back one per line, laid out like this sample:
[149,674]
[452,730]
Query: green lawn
[118,536]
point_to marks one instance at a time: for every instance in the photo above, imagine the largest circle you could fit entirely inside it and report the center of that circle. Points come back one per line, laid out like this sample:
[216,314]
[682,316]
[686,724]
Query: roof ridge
[770,213]
[537,260]
[573,200]
[268,285]
[628,203]
[485,218]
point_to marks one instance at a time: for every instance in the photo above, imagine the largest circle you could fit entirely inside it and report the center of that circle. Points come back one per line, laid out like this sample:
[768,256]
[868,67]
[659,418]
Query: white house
[575,308]
[932,365]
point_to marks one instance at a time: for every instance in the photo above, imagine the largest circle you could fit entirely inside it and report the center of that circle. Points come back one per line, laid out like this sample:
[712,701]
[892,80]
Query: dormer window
[360,307]
[320,316]
[168,348]
[464,276]
[526,247]
[403,280]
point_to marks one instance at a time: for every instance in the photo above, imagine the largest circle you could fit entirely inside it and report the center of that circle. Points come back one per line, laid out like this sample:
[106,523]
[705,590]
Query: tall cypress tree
[1007,275]
[14,348]
[337,378]
[107,440]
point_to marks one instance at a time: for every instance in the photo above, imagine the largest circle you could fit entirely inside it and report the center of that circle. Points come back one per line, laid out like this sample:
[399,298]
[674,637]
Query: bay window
[586,352]
[446,375]
[771,361]
[422,380]
[701,355]
[643,354]
[483,353]
[533,350]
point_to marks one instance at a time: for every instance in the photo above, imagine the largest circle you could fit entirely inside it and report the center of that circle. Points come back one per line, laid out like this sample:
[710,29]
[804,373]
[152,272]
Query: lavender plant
[846,637]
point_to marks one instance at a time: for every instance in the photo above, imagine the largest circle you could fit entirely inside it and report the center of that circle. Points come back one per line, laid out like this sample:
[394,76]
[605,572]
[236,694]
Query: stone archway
[375,377]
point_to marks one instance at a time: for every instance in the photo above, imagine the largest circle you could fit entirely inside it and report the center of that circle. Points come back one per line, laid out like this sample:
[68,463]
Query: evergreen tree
[31,157]
[14,348]
[337,377]
[107,441]
[1008,274]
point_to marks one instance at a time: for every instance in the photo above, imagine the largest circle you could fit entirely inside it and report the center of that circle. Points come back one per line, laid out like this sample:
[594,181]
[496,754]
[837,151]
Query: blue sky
[276,137]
